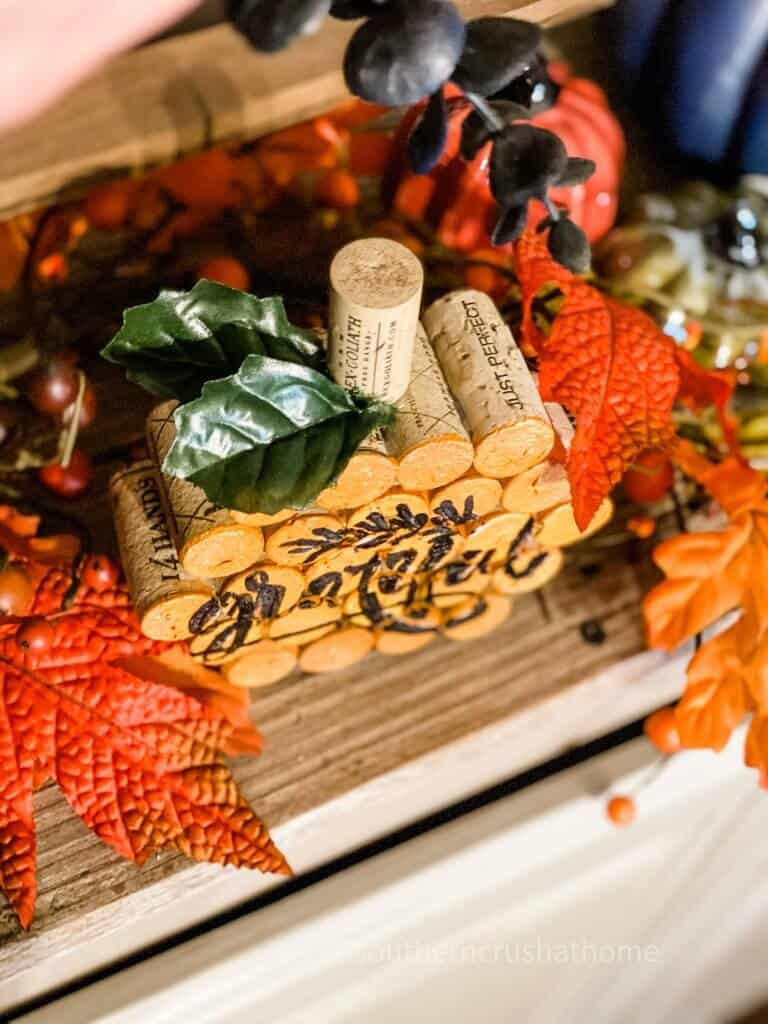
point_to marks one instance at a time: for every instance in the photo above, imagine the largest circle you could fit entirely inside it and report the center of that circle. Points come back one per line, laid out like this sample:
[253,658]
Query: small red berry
[53,387]
[621,810]
[661,729]
[16,591]
[88,409]
[100,573]
[36,635]
[68,481]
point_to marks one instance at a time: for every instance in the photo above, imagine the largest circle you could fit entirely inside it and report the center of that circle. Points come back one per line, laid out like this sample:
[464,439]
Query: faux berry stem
[494,122]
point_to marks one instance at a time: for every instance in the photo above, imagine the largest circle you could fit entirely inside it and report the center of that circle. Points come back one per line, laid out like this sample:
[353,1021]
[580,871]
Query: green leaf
[173,345]
[271,436]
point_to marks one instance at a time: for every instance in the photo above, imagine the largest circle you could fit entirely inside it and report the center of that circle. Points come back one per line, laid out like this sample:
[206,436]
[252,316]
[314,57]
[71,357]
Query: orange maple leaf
[115,720]
[609,364]
[709,574]
[700,387]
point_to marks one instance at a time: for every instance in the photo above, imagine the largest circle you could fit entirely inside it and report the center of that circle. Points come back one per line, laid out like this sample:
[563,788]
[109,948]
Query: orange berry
[107,206]
[661,729]
[16,591]
[621,810]
[649,478]
[226,270]
[36,634]
[338,189]
[642,526]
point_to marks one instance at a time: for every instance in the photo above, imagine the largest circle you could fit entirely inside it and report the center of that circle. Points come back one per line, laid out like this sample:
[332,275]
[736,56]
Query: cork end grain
[268,663]
[513,448]
[222,551]
[530,571]
[435,462]
[475,617]
[167,618]
[410,632]
[368,476]
[337,651]
[473,495]
[537,489]
[377,273]
[558,529]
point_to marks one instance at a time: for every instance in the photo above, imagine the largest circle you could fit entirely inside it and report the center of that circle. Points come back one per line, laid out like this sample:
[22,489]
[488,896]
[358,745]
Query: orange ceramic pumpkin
[455,198]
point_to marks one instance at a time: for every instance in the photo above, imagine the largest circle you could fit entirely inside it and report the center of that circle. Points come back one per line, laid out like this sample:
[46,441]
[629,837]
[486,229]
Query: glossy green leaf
[173,345]
[271,436]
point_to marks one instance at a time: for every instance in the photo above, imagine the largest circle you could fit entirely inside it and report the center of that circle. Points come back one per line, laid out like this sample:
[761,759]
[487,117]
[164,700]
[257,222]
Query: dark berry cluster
[407,50]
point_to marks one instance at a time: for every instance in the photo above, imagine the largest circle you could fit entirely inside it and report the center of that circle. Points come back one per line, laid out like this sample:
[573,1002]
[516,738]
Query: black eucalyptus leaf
[350,10]
[510,111]
[427,140]
[271,436]
[176,343]
[568,245]
[474,135]
[525,161]
[406,53]
[496,51]
[510,225]
[578,170]
[271,25]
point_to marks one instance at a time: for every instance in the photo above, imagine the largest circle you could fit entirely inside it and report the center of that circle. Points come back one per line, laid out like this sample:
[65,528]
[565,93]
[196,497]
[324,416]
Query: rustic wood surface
[327,735]
[185,93]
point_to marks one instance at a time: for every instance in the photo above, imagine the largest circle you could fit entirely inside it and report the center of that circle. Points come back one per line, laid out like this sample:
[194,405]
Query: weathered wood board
[182,94]
[326,736]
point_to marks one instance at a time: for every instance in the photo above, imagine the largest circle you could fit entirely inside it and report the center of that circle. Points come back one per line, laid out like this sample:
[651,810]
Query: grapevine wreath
[133,728]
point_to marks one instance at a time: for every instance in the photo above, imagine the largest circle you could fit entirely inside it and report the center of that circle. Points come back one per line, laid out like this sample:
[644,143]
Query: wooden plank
[182,94]
[332,743]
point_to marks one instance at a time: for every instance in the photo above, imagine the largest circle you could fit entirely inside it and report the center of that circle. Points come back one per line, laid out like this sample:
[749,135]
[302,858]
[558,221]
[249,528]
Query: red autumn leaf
[609,364]
[138,761]
[700,388]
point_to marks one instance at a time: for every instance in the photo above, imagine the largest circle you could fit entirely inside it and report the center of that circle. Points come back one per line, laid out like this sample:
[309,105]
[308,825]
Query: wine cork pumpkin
[472,496]
[165,601]
[428,437]
[375,298]
[476,617]
[491,382]
[210,542]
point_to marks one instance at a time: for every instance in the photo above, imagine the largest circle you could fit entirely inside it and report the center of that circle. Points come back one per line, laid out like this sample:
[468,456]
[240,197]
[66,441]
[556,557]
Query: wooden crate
[191,92]
[348,755]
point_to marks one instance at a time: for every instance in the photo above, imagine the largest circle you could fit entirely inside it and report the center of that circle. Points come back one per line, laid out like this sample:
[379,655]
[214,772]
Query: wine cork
[305,539]
[210,543]
[470,498]
[164,600]
[369,474]
[527,571]
[428,437]
[424,552]
[375,298]
[491,382]
[389,520]
[272,589]
[476,617]
[261,518]
[558,529]
[226,638]
[496,533]
[467,577]
[544,486]
[338,573]
[411,630]
[375,606]
[308,621]
[266,663]
[337,650]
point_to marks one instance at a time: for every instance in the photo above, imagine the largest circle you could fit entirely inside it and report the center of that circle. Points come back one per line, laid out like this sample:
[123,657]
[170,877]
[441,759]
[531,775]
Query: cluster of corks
[431,530]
